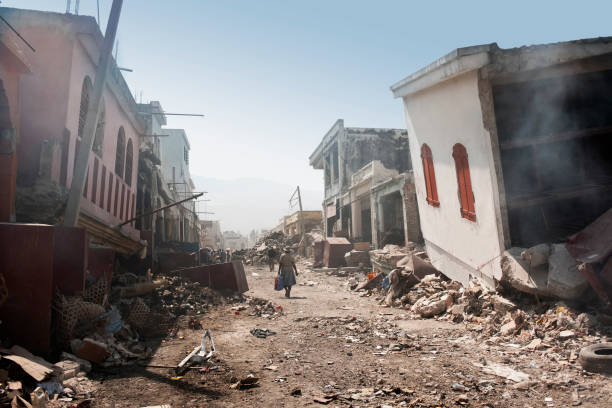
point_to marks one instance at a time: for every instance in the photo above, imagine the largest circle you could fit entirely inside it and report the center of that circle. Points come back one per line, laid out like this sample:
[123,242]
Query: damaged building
[302,222]
[54,100]
[13,65]
[369,189]
[514,147]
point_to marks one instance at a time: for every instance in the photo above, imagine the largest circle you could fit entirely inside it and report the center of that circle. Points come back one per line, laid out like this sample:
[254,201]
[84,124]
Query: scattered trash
[262,333]
[249,382]
[503,371]
[201,353]
[296,392]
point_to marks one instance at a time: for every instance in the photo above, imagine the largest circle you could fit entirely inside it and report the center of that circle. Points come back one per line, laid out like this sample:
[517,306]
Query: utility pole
[301,212]
[71,216]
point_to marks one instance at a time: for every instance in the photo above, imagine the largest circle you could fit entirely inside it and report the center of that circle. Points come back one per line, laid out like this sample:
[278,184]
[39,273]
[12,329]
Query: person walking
[288,270]
[272,258]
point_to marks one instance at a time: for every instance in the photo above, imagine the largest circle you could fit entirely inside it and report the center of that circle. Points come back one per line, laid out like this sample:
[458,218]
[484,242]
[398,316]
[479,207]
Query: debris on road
[262,333]
[248,382]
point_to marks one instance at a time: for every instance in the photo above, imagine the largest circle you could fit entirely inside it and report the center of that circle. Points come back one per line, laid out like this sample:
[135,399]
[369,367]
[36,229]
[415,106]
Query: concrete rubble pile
[258,255]
[386,259]
[103,328]
[548,325]
[565,270]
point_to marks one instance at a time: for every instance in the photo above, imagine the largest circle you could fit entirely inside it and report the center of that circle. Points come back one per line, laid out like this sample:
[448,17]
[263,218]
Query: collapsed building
[514,147]
[369,188]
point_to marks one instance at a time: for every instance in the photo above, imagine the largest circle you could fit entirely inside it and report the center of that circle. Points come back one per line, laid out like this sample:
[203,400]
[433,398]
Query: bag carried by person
[278,283]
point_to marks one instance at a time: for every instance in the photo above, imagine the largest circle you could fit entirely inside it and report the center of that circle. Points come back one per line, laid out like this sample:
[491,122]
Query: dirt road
[333,346]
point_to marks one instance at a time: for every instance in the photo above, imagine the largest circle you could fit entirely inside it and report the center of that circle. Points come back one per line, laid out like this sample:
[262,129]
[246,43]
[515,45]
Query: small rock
[459,387]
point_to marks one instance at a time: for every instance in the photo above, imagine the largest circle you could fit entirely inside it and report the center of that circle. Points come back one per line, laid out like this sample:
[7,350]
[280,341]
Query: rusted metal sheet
[335,249]
[224,276]
[100,263]
[27,251]
[318,252]
[70,248]
[171,261]
[593,246]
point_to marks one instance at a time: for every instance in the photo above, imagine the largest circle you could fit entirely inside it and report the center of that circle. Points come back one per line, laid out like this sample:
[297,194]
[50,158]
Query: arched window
[129,159]
[120,155]
[86,91]
[466,196]
[430,176]
[99,139]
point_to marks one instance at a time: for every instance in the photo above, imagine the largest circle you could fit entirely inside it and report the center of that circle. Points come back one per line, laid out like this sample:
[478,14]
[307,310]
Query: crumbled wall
[390,146]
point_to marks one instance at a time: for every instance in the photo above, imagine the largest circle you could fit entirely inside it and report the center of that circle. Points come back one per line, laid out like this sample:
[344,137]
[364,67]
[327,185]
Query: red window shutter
[434,187]
[466,195]
[430,176]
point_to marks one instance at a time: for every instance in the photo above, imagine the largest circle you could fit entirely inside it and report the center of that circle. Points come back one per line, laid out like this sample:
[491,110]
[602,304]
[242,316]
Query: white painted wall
[172,156]
[441,116]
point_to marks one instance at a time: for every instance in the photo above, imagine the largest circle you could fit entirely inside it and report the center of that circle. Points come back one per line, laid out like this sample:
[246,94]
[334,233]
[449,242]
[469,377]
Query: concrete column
[374,209]
[412,224]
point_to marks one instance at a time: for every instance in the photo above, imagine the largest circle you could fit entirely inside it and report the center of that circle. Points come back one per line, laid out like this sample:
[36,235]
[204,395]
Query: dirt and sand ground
[336,347]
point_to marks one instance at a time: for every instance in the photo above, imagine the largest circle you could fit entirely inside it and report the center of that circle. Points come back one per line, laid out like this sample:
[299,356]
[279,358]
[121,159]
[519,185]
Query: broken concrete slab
[67,369]
[517,273]
[564,279]
[536,255]
[559,277]
[357,258]
[84,364]
[501,304]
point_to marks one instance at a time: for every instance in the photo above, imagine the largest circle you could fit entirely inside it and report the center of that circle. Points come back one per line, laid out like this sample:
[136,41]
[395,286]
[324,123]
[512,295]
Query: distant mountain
[250,203]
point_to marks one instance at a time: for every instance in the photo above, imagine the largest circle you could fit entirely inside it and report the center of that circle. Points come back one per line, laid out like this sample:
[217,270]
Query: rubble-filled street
[304,204]
[331,345]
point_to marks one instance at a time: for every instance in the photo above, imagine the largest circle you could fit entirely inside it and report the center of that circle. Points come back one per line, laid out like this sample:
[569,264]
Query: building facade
[354,161]
[518,158]
[235,241]
[13,64]
[292,224]
[175,148]
[54,101]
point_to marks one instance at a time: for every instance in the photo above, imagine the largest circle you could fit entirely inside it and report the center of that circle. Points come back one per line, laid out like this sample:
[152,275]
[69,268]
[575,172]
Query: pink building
[54,102]
[13,63]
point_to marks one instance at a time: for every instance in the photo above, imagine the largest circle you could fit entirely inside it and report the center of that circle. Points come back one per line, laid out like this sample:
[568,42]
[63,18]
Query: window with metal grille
[430,176]
[86,91]
[129,160]
[120,154]
[466,196]
[99,138]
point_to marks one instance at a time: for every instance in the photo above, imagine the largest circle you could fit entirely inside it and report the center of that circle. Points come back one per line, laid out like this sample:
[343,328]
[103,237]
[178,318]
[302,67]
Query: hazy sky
[273,76]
